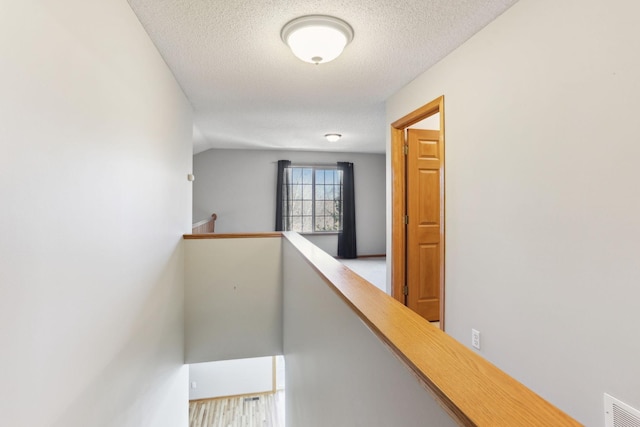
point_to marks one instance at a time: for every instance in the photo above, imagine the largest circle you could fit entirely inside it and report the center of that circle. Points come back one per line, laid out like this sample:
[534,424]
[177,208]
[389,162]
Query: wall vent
[619,414]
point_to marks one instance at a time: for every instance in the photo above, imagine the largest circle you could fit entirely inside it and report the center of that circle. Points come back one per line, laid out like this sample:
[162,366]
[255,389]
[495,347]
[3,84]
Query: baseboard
[235,396]
[363,256]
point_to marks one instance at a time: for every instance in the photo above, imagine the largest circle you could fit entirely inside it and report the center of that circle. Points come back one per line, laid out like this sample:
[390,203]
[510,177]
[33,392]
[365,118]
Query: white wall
[240,186]
[231,377]
[233,298]
[95,145]
[338,373]
[542,201]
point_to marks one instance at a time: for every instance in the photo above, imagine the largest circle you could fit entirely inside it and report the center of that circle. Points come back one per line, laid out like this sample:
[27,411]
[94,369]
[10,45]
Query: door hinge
[406,219]
[405,290]
[406,150]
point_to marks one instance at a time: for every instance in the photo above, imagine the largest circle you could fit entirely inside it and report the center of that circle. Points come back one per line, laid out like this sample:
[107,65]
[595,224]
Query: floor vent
[619,414]
[251,399]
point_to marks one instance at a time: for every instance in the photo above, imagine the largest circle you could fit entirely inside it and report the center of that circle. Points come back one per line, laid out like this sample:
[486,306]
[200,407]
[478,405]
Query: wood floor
[265,410]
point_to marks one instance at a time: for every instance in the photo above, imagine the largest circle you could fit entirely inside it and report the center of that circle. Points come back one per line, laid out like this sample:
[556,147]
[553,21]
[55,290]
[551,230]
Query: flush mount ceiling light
[333,137]
[317,38]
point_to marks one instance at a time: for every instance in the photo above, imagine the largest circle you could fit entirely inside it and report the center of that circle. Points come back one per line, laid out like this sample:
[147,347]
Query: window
[315,199]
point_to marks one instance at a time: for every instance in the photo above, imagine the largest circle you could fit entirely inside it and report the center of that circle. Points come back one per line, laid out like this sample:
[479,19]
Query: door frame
[398,200]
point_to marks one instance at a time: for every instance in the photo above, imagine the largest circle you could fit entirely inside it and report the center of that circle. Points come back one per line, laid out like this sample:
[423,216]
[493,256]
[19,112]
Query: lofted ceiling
[249,91]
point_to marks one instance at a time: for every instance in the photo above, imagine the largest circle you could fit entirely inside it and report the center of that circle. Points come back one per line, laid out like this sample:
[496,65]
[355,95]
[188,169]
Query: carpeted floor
[372,269]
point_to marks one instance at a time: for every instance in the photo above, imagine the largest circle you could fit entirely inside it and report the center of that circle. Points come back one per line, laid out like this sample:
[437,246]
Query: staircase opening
[237,392]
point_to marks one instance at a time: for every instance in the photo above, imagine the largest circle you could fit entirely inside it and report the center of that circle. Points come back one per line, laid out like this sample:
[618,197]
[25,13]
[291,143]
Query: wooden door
[425,227]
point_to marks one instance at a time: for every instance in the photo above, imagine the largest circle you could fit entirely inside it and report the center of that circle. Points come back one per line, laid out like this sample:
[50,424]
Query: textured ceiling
[249,91]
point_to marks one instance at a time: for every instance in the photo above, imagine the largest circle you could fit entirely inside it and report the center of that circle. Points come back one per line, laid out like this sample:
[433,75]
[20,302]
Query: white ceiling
[249,91]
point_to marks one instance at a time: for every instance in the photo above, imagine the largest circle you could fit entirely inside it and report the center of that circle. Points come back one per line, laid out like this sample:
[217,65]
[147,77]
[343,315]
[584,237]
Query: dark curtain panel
[282,196]
[347,237]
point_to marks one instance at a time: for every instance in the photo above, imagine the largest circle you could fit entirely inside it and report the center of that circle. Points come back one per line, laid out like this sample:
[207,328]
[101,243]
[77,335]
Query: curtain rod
[314,165]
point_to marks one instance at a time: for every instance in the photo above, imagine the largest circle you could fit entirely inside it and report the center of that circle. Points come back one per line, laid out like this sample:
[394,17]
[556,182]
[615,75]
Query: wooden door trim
[398,199]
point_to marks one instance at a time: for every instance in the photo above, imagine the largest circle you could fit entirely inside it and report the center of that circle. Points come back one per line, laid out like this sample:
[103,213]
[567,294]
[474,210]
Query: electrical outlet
[194,384]
[475,338]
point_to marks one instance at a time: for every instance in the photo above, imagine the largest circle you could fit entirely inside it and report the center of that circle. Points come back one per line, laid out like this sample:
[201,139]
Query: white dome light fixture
[317,38]
[333,137]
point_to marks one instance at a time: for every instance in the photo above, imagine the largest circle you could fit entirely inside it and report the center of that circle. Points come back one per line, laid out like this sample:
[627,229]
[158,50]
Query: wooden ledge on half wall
[471,389]
[231,235]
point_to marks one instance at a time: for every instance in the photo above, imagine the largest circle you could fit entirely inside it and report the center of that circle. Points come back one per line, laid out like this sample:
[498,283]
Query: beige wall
[233,298]
[542,201]
[95,145]
[338,373]
[231,377]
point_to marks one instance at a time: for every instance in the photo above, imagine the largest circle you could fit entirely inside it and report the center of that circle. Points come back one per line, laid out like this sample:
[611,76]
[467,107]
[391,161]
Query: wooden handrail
[471,389]
[205,226]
